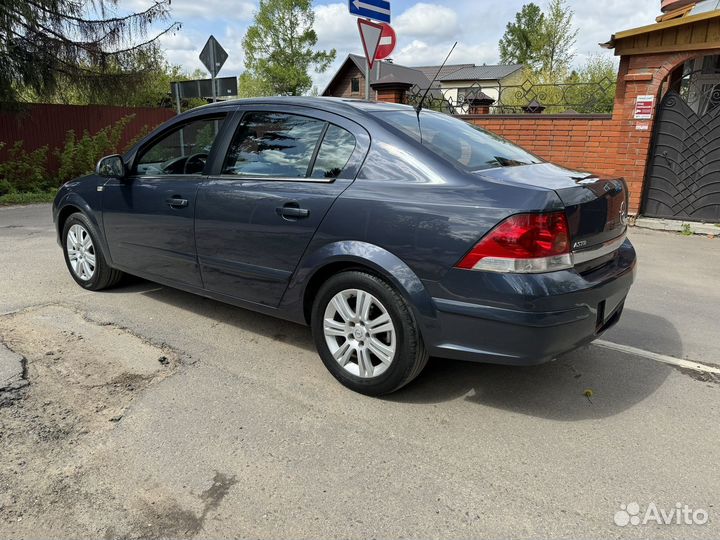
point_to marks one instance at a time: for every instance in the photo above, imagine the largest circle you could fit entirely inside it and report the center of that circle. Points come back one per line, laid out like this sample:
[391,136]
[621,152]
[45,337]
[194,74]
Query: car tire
[370,342]
[84,256]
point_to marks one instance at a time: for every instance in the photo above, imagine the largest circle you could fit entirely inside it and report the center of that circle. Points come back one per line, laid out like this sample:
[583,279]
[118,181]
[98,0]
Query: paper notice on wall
[642,126]
[644,107]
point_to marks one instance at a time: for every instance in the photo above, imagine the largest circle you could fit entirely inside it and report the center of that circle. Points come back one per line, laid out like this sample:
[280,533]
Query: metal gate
[684,172]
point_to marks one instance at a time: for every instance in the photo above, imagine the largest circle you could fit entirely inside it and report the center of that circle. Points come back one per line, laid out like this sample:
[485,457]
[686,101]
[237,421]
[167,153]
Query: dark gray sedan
[394,235]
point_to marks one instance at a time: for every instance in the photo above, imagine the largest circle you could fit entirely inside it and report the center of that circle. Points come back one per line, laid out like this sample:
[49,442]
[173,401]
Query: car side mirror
[111,167]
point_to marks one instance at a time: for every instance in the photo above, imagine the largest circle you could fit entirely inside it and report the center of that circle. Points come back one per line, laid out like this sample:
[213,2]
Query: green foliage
[22,170]
[77,47]
[687,230]
[31,197]
[250,86]
[279,47]
[80,155]
[596,86]
[522,41]
[589,90]
[559,37]
[543,41]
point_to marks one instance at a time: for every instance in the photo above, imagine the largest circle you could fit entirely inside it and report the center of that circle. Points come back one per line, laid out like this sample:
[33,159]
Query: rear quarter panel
[408,209]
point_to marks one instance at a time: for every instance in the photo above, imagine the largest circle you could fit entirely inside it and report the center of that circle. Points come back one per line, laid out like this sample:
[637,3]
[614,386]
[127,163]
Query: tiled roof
[482,73]
[431,71]
[401,73]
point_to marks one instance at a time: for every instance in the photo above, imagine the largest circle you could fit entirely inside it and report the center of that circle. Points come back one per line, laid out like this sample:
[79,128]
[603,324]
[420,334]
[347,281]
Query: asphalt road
[155,413]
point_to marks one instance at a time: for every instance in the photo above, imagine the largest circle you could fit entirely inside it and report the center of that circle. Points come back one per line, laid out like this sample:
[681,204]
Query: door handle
[292,211]
[176,202]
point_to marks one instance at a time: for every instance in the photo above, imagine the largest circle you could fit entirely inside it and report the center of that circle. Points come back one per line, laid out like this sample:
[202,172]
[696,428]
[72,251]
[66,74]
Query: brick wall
[593,143]
[616,145]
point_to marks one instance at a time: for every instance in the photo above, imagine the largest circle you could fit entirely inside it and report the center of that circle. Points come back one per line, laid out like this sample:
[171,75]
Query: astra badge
[623,214]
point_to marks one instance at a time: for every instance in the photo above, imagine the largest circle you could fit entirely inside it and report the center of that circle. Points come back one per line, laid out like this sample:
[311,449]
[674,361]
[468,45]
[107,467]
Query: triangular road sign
[370,34]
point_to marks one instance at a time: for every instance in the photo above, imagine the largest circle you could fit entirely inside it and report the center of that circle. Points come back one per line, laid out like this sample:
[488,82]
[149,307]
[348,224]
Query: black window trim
[318,144]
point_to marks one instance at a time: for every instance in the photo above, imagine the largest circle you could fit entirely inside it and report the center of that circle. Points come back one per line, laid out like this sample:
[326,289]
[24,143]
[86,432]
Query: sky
[426,30]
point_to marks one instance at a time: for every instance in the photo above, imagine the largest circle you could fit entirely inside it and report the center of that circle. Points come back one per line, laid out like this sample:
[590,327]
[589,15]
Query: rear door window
[335,151]
[273,144]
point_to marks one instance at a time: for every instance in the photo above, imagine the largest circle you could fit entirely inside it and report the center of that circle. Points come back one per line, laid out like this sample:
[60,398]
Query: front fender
[373,257]
[91,209]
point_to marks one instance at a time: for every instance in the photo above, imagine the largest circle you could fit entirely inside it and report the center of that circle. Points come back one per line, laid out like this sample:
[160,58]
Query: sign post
[213,57]
[370,32]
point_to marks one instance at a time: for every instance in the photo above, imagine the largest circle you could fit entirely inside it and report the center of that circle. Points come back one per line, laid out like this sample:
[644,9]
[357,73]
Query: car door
[148,216]
[257,213]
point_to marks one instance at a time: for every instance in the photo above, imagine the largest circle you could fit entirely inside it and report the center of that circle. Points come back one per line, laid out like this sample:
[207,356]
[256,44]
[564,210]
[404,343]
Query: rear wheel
[84,256]
[366,334]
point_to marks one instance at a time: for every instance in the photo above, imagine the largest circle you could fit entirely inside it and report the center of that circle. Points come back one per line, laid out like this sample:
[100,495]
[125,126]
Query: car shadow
[555,390]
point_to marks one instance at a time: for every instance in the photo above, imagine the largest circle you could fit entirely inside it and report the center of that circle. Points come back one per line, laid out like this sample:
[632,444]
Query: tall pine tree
[83,44]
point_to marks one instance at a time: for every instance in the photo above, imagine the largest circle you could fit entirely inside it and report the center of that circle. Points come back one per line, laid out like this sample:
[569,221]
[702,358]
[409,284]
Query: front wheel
[366,334]
[84,256]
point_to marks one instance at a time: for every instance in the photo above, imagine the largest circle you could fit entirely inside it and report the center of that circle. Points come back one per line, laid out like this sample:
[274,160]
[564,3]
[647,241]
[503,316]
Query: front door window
[183,151]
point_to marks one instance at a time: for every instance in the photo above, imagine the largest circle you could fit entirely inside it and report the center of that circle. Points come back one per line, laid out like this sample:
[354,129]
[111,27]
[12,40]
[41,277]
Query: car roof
[330,104]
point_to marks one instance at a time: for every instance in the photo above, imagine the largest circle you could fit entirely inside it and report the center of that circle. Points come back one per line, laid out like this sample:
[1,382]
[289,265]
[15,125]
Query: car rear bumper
[540,317]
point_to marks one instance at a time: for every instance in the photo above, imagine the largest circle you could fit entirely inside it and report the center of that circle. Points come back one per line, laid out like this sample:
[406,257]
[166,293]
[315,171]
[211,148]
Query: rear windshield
[471,148]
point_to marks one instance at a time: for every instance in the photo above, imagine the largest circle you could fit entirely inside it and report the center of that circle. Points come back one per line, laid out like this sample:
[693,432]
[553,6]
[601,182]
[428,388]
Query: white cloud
[422,53]
[335,27]
[427,21]
[189,11]
[177,41]
[598,21]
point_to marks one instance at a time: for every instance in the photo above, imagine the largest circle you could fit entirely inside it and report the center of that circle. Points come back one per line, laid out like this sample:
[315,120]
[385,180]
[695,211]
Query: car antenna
[427,91]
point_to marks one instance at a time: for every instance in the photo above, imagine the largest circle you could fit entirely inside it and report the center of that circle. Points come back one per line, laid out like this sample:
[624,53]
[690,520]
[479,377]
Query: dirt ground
[84,376]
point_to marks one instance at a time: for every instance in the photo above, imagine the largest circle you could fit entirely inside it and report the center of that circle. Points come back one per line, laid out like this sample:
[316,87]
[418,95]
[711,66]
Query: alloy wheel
[81,252]
[359,332]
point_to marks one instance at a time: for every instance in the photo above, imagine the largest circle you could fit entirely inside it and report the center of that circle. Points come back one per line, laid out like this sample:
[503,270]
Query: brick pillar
[391,90]
[631,139]
[480,105]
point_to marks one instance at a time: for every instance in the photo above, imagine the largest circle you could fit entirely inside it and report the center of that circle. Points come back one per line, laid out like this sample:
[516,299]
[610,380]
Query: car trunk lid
[596,207]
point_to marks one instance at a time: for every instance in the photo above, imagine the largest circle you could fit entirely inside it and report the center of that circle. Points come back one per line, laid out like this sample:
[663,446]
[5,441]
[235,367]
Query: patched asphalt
[150,412]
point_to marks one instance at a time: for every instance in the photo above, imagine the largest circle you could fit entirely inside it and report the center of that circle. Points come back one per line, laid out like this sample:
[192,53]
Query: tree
[250,86]
[522,41]
[279,47]
[596,84]
[541,41]
[559,37]
[48,46]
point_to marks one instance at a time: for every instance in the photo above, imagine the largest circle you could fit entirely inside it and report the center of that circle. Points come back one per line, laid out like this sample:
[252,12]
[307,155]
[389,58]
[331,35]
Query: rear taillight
[524,243]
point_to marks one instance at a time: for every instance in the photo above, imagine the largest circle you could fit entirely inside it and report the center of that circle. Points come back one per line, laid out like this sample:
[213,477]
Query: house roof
[482,73]
[421,76]
[399,73]
[431,71]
